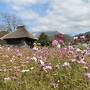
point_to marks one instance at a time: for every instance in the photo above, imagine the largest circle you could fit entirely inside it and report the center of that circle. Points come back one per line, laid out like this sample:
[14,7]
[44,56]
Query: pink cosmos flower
[47,68]
[61,42]
[81,62]
[54,43]
[28,58]
[18,53]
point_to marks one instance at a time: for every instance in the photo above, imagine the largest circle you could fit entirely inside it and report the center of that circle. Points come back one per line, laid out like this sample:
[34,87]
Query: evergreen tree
[44,39]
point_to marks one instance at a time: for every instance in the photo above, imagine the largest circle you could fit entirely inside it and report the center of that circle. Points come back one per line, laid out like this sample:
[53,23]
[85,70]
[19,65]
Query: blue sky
[66,16]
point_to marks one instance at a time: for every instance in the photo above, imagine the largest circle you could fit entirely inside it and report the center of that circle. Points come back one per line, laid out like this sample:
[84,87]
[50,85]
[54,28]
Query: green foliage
[81,46]
[67,38]
[44,39]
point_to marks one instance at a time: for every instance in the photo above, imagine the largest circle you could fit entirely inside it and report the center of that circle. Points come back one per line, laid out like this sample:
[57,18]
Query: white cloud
[65,15]
[19,8]
[19,4]
[27,15]
[24,2]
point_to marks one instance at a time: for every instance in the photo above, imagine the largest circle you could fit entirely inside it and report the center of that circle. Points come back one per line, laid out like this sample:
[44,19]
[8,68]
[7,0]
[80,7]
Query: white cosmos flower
[78,50]
[11,60]
[73,60]
[34,58]
[85,67]
[1,70]
[23,71]
[32,68]
[42,63]
[7,79]
[35,48]
[8,48]
[66,64]
[0,47]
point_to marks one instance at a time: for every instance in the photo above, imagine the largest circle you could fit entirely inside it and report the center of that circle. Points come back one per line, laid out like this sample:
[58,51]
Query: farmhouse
[19,37]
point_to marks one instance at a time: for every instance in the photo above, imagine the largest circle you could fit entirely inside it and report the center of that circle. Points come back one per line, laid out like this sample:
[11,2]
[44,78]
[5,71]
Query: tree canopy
[44,39]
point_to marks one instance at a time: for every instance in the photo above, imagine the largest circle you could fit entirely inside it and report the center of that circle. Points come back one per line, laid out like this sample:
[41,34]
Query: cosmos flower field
[45,68]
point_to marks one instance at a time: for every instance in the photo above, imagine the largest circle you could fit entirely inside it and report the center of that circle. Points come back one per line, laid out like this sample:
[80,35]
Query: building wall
[20,41]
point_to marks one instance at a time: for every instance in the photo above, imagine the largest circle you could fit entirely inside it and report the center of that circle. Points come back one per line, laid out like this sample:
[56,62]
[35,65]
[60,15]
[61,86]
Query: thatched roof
[20,32]
[3,33]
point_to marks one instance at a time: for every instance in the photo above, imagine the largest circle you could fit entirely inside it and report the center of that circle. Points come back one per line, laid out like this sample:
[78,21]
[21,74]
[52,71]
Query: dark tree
[87,37]
[44,39]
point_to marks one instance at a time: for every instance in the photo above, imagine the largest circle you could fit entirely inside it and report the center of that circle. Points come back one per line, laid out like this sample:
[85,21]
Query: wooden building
[19,37]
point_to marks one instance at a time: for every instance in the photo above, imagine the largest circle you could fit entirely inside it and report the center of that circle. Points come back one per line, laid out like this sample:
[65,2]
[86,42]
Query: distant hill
[49,33]
[86,33]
